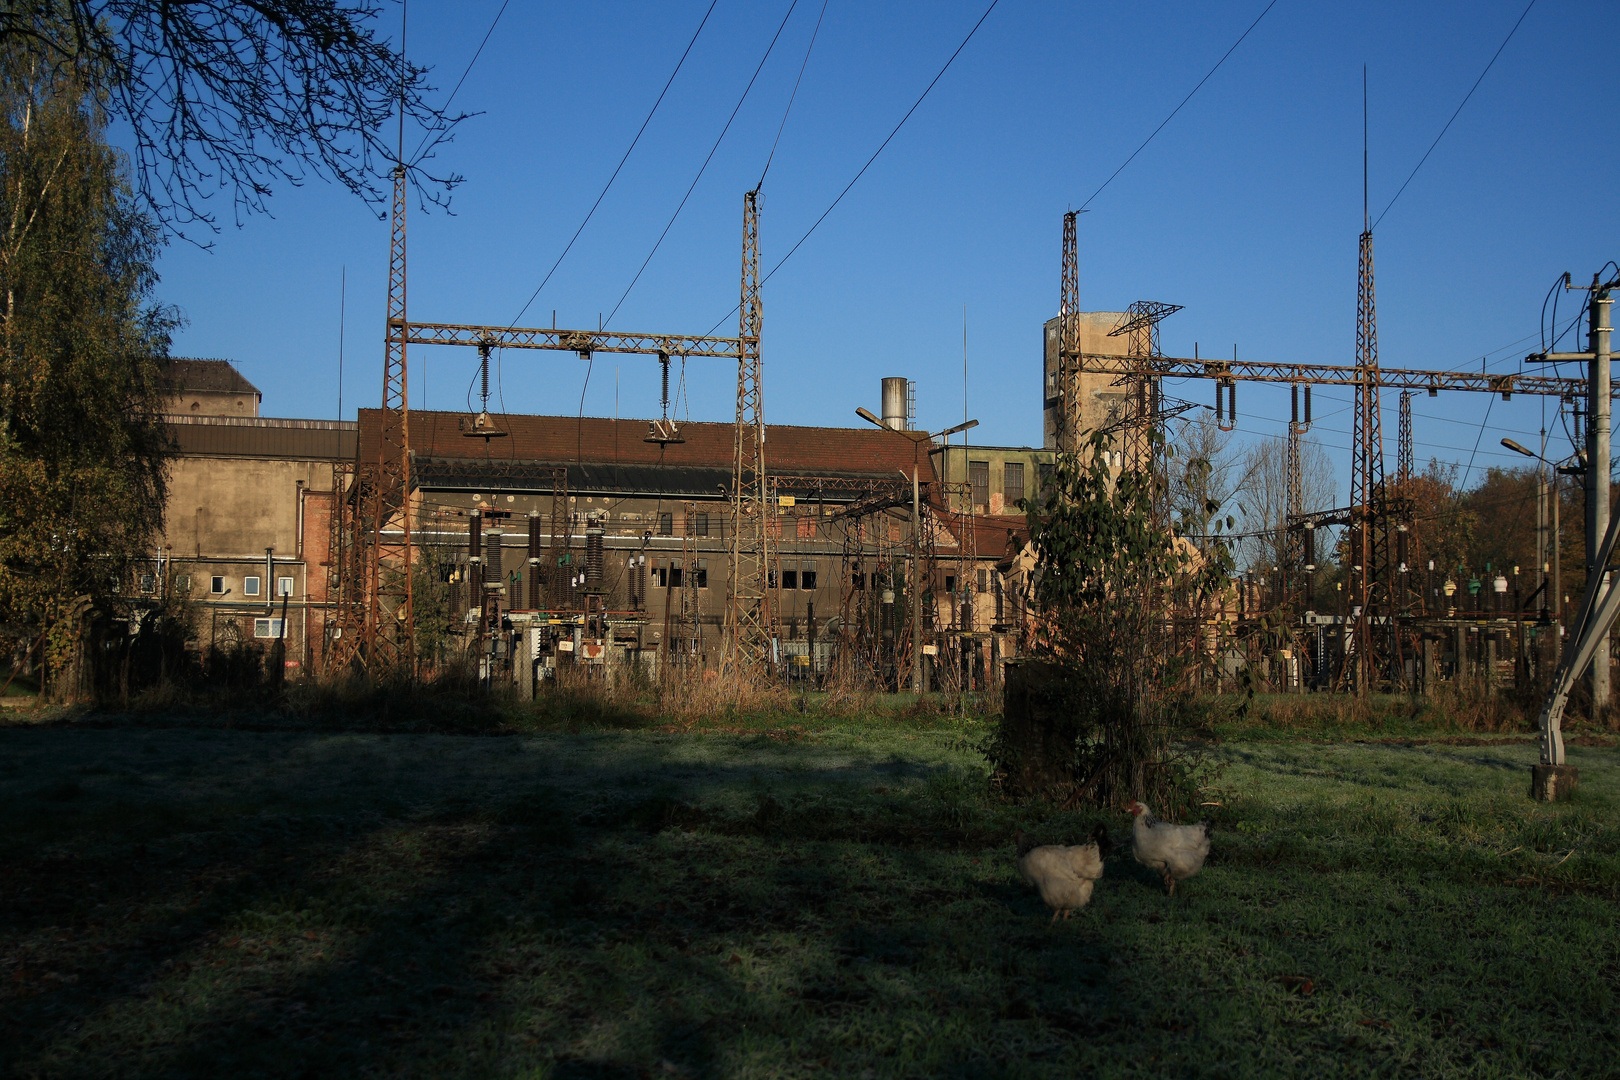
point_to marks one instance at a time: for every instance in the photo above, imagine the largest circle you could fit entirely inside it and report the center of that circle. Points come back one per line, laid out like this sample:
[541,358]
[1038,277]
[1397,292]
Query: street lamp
[917,439]
[1576,469]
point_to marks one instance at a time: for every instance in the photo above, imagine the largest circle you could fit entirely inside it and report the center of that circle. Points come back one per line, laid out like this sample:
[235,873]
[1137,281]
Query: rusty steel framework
[344,617]
[1068,373]
[1373,508]
[386,630]
[1370,584]
[379,586]
[750,618]
[1403,442]
[1140,329]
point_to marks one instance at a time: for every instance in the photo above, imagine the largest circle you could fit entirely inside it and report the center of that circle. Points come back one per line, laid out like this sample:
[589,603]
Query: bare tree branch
[240,96]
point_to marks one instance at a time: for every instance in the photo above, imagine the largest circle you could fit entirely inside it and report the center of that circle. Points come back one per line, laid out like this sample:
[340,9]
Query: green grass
[823,899]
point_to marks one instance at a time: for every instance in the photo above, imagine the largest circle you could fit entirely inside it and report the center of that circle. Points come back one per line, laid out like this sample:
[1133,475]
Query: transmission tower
[750,624]
[1403,443]
[1068,373]
[387,625]
[1140,329]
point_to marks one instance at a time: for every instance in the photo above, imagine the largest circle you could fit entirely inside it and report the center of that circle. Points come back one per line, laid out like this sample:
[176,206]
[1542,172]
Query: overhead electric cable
[704,167]
[416,155]
[791,97]
[620,166]
[1454,115]
[1178,108]
[874,156]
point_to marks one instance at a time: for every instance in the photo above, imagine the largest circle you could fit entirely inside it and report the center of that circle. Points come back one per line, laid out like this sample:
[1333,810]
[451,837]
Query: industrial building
[250,532]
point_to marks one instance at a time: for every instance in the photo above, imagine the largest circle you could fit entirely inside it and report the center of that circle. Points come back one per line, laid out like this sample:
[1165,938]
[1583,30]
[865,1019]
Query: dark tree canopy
[237,96]
[83,450]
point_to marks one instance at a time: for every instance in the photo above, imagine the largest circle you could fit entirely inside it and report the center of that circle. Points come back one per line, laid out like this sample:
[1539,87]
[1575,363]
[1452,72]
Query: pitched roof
[206,376]
[994,535]
[570,440]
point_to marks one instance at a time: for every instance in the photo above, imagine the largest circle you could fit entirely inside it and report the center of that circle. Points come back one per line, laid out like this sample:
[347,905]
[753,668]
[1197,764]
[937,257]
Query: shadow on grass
[586,923]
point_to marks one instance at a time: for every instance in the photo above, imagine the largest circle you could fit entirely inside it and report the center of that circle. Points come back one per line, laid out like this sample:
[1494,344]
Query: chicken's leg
[1171,883]
[1055,913]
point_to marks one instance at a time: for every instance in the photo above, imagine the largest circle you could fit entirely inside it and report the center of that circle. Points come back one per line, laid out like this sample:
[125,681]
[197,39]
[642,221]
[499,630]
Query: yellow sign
[784,500]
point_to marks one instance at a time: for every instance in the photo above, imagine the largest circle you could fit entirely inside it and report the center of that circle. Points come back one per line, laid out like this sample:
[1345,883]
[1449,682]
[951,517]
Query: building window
[950,583]
[790,579]
[284,586]
[858,580]
[182,583]
[666,524]
[674,573]
[700,524]
[807,579]
[979,482]
[1012,482]
[216,584]
[267,628]
[984,580]
[702,573]
[660,576]
[1047,468]
[250,586]
[148,583]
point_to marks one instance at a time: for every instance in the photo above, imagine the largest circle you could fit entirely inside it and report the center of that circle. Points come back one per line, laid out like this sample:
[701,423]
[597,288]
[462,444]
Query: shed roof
[707,451]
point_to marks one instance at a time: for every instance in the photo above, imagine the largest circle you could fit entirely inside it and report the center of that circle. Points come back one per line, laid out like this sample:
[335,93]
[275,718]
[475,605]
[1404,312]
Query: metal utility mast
[750,621]
[1368,529]
[1140,329]
[1403,443]
[386,629]
[1068,372]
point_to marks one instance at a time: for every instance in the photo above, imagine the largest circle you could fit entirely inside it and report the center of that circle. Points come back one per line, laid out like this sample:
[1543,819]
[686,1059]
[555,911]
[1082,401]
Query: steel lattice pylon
[1403,442]
[1068,372]
[383,532]
[1140,329]
[1368,532]
[750,621]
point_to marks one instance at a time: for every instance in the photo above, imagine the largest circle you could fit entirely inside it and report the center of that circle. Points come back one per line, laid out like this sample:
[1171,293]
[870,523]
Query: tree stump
[1553,783]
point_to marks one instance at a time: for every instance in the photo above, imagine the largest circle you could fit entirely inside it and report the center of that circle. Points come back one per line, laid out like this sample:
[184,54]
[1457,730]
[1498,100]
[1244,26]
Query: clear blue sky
[1246,208]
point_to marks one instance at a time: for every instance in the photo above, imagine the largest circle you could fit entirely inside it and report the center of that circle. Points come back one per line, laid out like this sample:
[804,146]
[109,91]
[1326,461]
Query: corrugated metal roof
[229,436]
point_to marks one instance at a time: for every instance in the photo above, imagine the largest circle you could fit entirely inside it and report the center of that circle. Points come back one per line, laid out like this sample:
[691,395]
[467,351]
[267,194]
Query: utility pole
[916,584]
[1597,471]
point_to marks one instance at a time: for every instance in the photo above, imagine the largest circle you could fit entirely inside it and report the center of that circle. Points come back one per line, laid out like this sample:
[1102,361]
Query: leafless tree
[1263,497]
[238,96]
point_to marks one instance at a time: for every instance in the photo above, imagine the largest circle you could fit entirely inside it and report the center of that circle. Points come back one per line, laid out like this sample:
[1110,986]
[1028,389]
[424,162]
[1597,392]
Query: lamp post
[1557,597]
[917,439]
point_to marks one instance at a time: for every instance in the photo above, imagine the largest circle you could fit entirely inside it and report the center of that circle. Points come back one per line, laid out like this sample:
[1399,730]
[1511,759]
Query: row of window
[250,585]
[1012,482]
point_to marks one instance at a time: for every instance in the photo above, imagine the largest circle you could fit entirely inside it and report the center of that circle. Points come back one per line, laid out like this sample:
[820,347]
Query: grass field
[840,901]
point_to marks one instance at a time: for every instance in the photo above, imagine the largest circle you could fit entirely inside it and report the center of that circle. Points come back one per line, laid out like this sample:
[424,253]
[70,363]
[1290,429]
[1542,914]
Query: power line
[417,155]
[704,167]
[620,166]
[791,97]
[1177,109]
[1454,115]
[874,156]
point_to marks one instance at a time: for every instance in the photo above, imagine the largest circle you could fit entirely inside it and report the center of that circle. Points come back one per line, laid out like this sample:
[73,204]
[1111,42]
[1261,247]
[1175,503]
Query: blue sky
[1246,209]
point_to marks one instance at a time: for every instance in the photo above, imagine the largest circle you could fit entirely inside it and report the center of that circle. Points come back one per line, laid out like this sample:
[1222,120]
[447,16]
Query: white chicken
[1065,876]
[1177,852]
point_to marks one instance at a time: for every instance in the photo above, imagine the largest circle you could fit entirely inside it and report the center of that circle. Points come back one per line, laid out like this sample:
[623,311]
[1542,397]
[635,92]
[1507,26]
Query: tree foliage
[82,448]
[1123,609]
[235,97]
